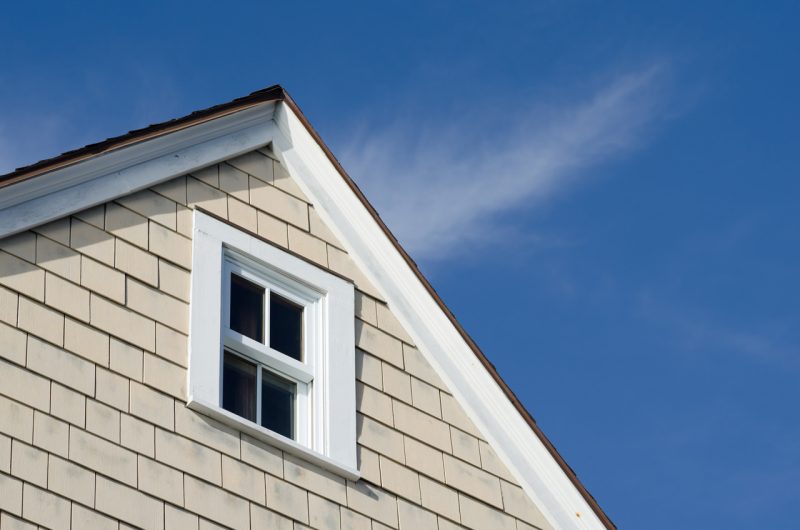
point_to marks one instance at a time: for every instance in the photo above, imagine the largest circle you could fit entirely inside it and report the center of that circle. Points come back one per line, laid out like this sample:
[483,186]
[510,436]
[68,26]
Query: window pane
[239,386]
[277,403]
[285,326]
[247,308]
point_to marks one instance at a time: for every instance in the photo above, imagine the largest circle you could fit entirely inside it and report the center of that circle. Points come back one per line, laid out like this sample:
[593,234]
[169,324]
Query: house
[205,324]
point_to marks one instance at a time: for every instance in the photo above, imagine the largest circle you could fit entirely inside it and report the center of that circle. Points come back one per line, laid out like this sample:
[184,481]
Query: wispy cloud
[775,345]
[703,332]
[441,187]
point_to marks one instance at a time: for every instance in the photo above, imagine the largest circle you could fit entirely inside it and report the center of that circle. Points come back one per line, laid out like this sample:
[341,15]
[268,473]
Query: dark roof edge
[277,93]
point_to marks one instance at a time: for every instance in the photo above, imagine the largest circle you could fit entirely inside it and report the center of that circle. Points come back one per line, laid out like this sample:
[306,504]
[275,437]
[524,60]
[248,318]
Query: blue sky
[606,194]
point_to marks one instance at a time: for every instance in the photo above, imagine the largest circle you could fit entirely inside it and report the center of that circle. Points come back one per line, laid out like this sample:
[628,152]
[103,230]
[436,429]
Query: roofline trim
[272,93]
[488,401]
[595,506]
[131,167]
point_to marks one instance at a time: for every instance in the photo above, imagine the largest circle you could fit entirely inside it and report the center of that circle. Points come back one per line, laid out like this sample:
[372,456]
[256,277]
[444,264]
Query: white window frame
[302,373]
[326,415]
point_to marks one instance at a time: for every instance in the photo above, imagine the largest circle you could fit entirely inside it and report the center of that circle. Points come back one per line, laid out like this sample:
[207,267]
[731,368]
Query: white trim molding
[439,341]
[64,191]
[329,439]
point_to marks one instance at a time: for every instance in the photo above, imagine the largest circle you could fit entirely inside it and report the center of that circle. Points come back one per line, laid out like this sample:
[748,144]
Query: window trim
[303,373]
[333,442]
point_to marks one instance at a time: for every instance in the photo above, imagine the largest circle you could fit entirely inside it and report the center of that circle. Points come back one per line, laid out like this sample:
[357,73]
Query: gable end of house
[102,196]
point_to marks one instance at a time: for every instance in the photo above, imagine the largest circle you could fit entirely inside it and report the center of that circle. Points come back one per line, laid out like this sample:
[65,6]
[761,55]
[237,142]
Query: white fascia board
[123,171]
[476,390]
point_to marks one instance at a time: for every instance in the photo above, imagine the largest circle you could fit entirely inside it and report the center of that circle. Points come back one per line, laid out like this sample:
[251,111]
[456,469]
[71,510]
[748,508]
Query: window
[271,345]
[270,351]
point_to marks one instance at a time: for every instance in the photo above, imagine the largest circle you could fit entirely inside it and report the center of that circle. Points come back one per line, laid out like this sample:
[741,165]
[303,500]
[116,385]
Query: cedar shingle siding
[94,431]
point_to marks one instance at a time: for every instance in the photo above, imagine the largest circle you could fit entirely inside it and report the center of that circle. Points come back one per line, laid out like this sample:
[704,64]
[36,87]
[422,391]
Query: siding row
[94,432]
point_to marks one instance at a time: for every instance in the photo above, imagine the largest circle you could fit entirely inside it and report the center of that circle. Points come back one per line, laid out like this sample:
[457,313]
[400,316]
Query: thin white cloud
[701,331]
[444,187]
[772,345]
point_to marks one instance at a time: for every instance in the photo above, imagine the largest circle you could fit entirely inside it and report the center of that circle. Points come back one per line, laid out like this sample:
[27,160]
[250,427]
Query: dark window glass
[247,308]
[285,326]
[277,403]
[239,386]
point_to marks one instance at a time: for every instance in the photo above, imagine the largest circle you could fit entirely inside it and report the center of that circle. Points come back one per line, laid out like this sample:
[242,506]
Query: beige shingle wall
[94,432]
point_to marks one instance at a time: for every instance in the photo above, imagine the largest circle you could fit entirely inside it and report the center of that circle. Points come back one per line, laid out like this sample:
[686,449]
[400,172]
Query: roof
[278,93]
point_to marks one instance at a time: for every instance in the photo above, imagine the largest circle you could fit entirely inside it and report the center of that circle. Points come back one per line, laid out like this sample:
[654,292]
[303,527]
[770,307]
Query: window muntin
[258,395]
[269,323]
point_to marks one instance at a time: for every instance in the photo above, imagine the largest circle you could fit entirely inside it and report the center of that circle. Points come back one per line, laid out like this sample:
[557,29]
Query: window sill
[281,442]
